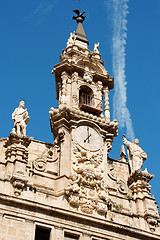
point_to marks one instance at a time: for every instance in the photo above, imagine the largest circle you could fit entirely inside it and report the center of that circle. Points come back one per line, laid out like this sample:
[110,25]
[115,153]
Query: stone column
[64,78]
[16,161]
[106,104]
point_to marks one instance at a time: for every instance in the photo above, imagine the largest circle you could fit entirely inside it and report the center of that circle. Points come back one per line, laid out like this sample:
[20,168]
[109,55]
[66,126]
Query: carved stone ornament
[87,190]
[109,146]
[18,186]
[153,223]
[71,39]
[48,161]
[75,99]
[87,75]
[61,134]
[96,46]
[122,186]
[39,164]
[143,176]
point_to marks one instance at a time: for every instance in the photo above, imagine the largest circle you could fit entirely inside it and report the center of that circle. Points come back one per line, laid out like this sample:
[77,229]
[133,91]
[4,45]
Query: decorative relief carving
[87,75]
[39,164]
[114,127]
[87,190]
[75,99]
[122,186]
[153,223]
[61,134]
[109,146]
[18,185]
[48,161]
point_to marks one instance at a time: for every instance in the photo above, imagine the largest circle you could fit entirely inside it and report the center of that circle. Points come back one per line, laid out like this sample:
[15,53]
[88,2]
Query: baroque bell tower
[81,125]
[82,83]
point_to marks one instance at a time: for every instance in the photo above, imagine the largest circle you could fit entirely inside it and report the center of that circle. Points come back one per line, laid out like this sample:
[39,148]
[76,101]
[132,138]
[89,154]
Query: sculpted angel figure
[20,118]
[135,154]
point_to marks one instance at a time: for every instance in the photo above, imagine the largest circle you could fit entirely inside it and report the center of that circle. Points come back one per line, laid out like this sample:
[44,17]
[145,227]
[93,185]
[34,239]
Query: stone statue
[71,39]
[135,154]
[96,46]
[20,118]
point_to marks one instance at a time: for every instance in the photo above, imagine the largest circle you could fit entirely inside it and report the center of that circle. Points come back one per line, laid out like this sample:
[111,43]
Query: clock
[88,138]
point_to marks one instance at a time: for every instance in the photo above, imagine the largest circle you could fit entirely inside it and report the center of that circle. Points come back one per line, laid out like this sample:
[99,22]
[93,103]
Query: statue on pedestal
[20,118]
[135,154]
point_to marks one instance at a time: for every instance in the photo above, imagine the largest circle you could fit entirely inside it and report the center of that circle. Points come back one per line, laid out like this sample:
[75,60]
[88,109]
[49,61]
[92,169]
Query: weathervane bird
[79,17]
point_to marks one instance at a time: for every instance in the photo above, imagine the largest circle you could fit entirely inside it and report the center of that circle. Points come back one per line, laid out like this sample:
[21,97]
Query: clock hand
[88,131]
[87,138]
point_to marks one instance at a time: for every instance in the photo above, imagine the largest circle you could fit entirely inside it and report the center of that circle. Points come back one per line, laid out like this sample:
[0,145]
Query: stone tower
[72,189]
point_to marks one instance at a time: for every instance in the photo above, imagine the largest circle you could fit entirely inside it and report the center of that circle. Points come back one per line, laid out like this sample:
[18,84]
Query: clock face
[88,138]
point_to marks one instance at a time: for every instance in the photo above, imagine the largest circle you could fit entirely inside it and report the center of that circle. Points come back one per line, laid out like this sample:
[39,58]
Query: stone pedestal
[16,161]
[145,205]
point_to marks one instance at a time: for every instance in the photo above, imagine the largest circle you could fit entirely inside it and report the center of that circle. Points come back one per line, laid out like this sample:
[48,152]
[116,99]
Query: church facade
[72,189]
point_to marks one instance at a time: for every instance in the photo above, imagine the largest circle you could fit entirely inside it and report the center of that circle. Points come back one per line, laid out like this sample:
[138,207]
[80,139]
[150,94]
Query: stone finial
[20,118]
[96,46]
[71,39]
[123,157]
[136,155]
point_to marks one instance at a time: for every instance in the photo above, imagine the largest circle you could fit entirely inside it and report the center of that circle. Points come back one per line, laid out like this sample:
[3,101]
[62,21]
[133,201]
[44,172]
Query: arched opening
[88,102]
[85,96]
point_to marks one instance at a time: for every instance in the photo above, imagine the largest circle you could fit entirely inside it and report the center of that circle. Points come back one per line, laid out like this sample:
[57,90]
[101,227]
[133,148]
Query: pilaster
[65,144]
[30,230]
[75,95]
[58,233]
[64,78]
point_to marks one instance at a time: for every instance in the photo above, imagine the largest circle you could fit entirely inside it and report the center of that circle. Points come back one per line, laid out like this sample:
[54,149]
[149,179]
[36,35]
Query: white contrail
[120,110]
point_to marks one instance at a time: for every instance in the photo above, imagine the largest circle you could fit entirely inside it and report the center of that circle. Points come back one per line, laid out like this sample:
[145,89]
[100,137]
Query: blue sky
[33,34]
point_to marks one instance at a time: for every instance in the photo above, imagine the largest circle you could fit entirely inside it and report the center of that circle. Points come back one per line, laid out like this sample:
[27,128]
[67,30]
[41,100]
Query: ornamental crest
[87,190]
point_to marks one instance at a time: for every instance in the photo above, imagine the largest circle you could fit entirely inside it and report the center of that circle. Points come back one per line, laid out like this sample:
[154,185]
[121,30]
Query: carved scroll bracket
[122,186]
